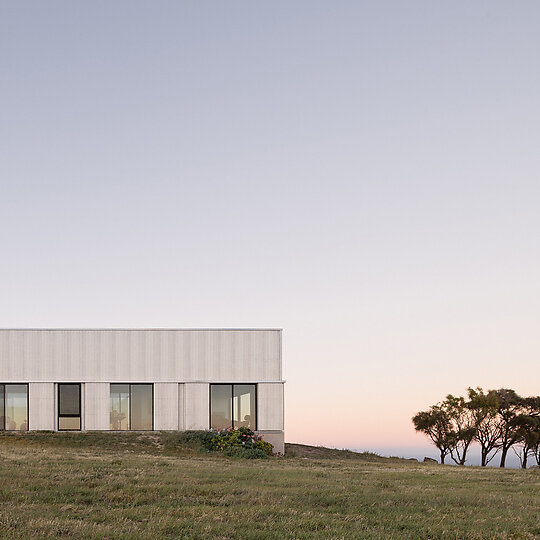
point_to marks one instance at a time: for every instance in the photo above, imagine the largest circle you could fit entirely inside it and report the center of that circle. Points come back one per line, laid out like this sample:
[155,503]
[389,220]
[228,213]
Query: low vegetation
[161,485]
[240,442]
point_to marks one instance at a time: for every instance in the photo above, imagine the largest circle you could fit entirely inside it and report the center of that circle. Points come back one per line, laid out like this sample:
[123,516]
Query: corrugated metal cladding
[140,355]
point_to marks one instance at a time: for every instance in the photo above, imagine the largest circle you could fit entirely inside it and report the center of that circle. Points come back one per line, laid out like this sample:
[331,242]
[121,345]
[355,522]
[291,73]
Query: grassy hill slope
[92,485]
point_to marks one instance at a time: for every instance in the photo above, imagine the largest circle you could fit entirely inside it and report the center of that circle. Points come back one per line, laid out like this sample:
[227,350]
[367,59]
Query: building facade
[142,379]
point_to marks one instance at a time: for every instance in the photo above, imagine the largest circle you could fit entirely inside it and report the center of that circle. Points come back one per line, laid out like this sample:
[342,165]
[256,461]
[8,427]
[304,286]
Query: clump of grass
[195,439]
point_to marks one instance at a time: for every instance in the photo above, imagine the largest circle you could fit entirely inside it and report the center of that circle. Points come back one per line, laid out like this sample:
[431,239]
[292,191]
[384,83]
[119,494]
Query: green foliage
[264,446]
[489,430]
[528,438]
[243,438]
[462,427]
[497,420]
[221,441]
[245,453]
[435,423]
[510,407]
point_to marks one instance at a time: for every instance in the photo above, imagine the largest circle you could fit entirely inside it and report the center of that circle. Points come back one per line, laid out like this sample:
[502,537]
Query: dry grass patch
[133,488]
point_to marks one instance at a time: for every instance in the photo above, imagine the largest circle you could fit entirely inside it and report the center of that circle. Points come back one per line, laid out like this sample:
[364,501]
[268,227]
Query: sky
[364,175]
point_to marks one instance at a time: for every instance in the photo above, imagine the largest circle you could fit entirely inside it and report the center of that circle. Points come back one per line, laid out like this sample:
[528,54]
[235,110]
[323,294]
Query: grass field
[131,486]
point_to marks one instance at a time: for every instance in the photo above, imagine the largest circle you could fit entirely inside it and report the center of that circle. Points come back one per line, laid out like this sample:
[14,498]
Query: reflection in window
[221,406]
[233,405]
[69,407]
[244,405]
[119,407]
[141,407]
[14,407]
[131,407]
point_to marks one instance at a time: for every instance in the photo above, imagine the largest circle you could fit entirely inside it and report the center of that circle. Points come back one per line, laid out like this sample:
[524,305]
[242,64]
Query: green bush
[245,453]
[222,441]
[240,438]
[264,446]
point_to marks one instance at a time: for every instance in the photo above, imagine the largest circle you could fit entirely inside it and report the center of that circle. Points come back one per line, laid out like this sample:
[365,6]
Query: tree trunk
[464,456]
[442,457]
[484,458]
[524,463]
[503,457]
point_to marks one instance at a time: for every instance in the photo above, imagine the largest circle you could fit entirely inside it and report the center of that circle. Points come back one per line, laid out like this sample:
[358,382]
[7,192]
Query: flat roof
[145,329]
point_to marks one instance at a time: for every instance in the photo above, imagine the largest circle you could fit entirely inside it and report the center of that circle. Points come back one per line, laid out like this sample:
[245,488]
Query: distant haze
[364,175]
[421,451]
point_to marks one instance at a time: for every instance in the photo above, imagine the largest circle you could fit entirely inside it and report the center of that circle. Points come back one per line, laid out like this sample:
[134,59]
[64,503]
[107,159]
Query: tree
[484,410]
[536,450]
[436,424]
[528,429]
[462,428]
[510,406]
[496,419]
[533,404]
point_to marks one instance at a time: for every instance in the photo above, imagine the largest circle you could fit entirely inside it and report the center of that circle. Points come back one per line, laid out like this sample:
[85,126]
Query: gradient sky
[365,175]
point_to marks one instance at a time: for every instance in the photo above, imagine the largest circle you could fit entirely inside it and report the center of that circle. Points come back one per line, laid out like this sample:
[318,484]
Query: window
[69,407]
[132,407]
[14,407]
[119,407]
[233,405]
[221,406]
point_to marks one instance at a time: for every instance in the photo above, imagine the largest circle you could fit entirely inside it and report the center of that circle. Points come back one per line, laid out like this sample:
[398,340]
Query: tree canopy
[495,420]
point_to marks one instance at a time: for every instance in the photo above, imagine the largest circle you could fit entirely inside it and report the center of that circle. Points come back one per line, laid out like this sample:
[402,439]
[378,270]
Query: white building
[131,379]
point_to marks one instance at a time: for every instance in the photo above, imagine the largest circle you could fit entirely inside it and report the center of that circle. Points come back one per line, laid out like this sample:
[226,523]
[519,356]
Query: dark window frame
[3,427]
[58,415]
[232,385]
[130,385]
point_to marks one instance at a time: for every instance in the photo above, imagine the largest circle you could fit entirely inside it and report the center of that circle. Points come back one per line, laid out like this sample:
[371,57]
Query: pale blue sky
[363,174]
